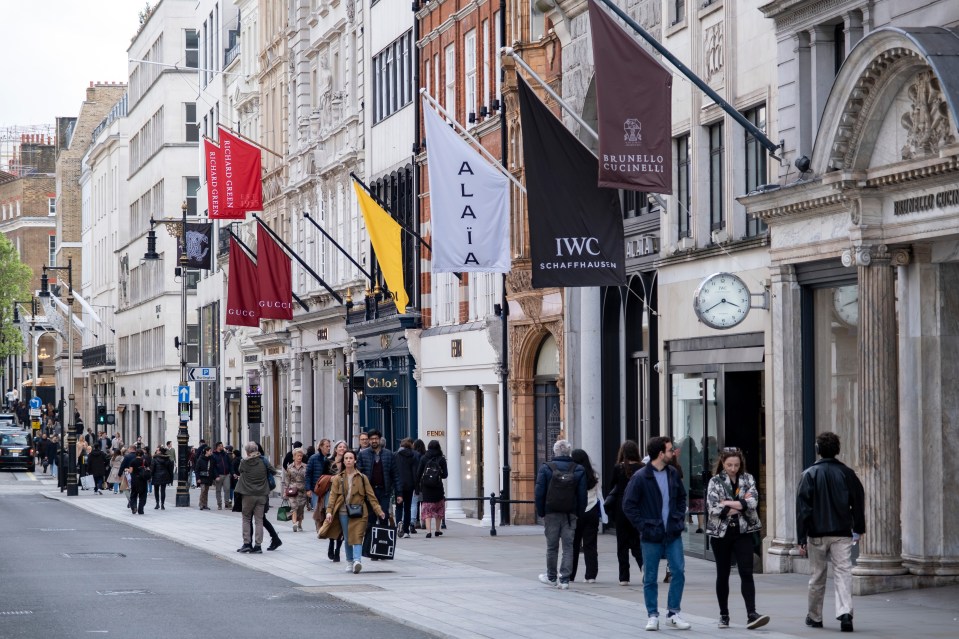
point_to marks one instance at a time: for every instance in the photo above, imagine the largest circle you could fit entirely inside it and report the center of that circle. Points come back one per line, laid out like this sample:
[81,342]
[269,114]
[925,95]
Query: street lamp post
[72,489]
[177,228]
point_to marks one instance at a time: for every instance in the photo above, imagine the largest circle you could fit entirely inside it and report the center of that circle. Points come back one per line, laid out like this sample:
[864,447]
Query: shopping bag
[87,482]
[283,512]
[380,540]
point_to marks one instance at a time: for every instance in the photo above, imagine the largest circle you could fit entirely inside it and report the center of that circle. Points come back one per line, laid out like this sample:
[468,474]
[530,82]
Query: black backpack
[432,477]
[561,492]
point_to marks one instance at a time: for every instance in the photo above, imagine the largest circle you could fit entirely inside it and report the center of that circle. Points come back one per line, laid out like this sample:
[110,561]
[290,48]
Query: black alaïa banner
[575,227]
[199,242]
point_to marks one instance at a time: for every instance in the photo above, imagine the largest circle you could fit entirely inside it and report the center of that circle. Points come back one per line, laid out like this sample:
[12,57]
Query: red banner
[234,177]
[242,294]
[275,277]
[634,110]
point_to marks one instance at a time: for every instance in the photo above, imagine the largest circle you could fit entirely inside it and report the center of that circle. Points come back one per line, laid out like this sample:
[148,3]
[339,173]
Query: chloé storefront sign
[928,202]
[382,383]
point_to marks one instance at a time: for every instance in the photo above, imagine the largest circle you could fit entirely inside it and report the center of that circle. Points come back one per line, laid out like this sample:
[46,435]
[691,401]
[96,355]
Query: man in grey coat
[255,488]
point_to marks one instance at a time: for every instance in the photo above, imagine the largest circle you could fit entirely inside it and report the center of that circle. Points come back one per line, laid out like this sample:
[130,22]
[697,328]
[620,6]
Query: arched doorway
[547,424]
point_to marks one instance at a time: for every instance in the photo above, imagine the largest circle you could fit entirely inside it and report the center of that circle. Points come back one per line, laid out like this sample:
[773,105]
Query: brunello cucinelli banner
[634,110]
[575,227]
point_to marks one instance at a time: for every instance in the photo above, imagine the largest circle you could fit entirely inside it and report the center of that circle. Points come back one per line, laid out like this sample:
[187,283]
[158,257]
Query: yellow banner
[385,235]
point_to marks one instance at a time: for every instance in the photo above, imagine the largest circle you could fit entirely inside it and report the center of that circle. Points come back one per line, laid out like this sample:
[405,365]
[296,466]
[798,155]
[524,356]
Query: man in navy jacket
[376,462]
[559,523]
[655,503]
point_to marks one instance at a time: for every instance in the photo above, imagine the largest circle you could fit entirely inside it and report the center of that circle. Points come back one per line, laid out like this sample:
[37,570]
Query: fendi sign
[922,203]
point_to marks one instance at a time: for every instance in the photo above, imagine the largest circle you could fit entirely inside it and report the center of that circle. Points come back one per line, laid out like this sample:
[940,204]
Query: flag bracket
[290,253]
[250,251]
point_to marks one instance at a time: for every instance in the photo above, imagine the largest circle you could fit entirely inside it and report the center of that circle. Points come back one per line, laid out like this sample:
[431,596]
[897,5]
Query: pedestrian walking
[419,447]
[51,453]
[560,495]
[333,468]
[429,483]
[407,463]
[139,477]
[221,482]
[830,519]
[205,474]
[113,479]
[655,503]
[294,488]
[347,513]
[377,463]
[731,502]
[82,456]
[628,461]
[162,467]
[587,525]
[97,464]
[316,465]
[255,488]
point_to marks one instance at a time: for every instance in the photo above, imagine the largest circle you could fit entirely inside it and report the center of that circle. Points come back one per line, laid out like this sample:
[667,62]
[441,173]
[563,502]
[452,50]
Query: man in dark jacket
[162,467]
[97,464]
[376,462]
[559,514]
[316,466]
[205,474]
[223,463]
[830,517]
[655,504]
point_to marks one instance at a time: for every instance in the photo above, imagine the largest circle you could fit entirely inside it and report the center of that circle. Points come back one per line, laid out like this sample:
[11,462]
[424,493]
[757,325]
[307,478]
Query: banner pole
[476,143]
[290,253]
[337,245]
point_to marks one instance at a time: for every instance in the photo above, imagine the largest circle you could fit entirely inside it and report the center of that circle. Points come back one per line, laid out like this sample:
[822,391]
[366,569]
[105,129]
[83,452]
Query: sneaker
[652,623]
[429,535]
[349,566]
[845,622]
[276,543]
[590,581]
[563,585]
[257,550]
[723,621]
[544,579]
[756,620]
[357,567]
[675,621]
[624,583]
[245,548]
[813,624]
[439,533]
[406,535]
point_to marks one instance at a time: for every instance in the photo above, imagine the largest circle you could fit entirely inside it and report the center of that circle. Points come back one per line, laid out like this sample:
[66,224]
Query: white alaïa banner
[469,204]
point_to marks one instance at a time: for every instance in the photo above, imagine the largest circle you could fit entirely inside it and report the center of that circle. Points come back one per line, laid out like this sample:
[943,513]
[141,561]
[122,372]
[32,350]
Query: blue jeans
[676,562]
[352,550]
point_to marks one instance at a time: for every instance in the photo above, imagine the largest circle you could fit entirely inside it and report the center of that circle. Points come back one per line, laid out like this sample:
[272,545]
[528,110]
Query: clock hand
[731,304]
[715,305]
[852,302]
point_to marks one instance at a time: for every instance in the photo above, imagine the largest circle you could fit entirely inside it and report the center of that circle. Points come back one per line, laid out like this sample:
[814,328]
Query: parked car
[16,450]
[7,420]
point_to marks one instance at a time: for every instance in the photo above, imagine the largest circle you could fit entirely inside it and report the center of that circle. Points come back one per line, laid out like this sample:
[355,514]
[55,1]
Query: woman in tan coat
[353,488]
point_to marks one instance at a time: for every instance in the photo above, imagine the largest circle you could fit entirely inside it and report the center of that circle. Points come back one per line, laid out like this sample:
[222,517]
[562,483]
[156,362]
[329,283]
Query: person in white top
[587,526]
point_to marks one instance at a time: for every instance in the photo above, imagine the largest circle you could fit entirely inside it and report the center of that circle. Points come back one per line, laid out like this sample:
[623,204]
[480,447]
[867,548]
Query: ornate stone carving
[713,56]
[927,121]
[899,257]
[532,306]
[518,281]
[350,10]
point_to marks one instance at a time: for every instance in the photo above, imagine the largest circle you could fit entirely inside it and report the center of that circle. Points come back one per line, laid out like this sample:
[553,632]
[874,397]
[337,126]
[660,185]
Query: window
[484,60]
[682,185]
[717,218]
[498,34]
[192,49]
[634,204]
[426,75]
[537,21]
[192,340]
[677,11]
[51,206]
[469,74]
[450,79]
[392,78]
[192,187]
[755,165]
[52,256]
[192,128]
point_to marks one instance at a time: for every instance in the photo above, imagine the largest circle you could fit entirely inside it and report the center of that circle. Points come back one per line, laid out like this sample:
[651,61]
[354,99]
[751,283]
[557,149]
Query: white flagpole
[476,143]
[87,307]
[562,103]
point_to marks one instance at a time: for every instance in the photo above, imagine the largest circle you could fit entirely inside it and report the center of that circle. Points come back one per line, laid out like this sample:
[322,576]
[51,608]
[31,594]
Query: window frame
[683,191]
[469,74]
[716,158]
[756,169]
[187,49]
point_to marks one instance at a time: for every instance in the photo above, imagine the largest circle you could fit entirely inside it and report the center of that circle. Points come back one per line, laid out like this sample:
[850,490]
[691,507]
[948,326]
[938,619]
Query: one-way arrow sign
[202,374]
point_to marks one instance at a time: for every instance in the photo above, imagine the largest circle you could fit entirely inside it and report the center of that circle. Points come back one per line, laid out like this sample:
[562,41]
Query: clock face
[722,301]
[845,300]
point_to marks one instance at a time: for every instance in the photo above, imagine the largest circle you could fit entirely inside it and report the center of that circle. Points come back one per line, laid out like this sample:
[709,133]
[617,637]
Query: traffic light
[101,415]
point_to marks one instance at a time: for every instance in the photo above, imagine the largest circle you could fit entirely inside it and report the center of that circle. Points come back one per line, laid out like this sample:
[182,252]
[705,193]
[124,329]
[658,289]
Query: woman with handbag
[294,488]
[429,483]
[628,461]
[731,502]
[350,493]
[587,525]
[334,464]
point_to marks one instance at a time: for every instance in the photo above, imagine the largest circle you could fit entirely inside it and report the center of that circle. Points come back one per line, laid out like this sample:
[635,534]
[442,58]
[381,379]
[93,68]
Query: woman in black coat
[432,495]
[628,461]
[138,484]
[97,464]
[407,462]
[162,467]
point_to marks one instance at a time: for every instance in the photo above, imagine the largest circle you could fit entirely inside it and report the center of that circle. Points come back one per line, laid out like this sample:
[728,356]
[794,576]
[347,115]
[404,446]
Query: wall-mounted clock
[722,301]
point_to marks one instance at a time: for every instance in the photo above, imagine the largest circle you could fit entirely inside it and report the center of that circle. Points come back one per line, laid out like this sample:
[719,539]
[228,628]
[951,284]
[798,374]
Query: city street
[69,573]
[465,584]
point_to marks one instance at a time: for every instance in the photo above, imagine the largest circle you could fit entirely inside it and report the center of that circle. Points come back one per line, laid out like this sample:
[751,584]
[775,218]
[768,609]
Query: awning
[41,381]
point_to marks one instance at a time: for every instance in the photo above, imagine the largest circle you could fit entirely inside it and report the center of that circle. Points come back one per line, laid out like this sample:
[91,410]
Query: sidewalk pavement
[467,584]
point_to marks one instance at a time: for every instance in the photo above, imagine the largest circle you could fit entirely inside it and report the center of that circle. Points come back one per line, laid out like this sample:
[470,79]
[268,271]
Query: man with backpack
[560,499]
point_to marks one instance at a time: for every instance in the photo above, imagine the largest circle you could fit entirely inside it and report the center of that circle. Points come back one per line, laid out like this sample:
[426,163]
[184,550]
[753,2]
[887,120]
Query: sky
[53,49]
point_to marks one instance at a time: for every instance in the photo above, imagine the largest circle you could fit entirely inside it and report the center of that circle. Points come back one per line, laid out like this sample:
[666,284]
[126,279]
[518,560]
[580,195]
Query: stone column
[785,437]
[879,466]
[590,435]
[454,484]
[491,475]
[823,67]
